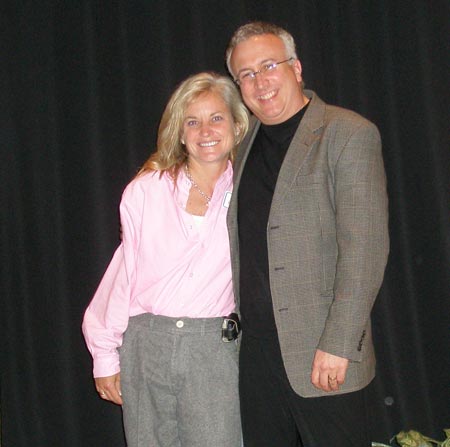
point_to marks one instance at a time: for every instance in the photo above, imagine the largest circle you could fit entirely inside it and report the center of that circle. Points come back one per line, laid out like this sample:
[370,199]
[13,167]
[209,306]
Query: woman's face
[208,130]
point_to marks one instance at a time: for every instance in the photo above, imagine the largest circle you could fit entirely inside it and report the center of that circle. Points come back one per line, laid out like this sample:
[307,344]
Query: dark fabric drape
[83,85]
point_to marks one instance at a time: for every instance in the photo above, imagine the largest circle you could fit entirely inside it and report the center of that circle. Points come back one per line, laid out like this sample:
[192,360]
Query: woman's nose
[205,129]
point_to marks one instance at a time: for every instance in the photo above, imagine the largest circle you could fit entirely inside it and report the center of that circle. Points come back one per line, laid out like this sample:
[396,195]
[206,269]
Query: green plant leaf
[413,438]
[446,443]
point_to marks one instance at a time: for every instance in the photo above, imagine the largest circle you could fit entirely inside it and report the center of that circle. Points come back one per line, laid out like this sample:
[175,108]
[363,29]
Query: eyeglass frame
[262,70]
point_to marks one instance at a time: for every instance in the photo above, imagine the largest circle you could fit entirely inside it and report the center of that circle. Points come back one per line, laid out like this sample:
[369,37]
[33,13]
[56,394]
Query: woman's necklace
[202,193]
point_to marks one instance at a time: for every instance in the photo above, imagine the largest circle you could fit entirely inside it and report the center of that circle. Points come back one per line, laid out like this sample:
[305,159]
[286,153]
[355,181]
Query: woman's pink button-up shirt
[165,265]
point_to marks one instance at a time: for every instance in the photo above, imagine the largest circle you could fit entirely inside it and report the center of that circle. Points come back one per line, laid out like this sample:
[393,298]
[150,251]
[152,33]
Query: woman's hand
[109,388]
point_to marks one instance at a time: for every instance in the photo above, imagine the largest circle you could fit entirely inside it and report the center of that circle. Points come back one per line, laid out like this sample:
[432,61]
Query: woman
[164,296]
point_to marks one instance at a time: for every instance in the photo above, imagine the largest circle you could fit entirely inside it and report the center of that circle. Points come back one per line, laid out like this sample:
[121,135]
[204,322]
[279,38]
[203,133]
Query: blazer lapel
[244,150]
[238,167]
[301,145]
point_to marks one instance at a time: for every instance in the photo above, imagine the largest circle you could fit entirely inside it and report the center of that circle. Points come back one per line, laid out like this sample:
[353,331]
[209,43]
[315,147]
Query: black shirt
[254,200]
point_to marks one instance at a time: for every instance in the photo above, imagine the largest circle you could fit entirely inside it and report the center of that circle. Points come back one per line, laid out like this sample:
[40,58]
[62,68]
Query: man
[309,243]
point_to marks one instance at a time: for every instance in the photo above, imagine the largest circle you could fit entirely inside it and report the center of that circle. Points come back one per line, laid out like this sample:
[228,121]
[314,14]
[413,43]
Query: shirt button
[180,323]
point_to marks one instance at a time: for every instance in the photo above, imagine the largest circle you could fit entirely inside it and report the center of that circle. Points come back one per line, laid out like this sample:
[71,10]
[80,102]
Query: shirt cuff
[106,365]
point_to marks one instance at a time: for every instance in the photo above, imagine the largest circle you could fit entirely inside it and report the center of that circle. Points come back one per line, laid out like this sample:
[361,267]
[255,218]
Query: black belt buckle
[230,328]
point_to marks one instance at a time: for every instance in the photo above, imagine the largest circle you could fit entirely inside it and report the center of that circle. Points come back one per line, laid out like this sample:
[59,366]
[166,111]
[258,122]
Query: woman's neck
[203,179]
[206,175]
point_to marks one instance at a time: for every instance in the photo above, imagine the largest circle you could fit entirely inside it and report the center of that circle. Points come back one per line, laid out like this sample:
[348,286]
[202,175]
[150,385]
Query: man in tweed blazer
[309,243]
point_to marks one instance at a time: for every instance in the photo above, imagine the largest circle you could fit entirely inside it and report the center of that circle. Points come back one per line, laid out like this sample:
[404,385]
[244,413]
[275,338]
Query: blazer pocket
[328,294]
[316,178]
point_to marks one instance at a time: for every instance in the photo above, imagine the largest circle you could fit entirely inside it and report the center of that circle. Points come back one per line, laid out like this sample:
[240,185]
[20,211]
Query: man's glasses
[248,76]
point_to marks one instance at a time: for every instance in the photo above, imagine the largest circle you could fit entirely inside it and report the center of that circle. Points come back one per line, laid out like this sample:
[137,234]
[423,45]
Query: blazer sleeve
[362,238]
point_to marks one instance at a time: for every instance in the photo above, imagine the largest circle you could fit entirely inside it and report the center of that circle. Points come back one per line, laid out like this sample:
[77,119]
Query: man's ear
[298,70]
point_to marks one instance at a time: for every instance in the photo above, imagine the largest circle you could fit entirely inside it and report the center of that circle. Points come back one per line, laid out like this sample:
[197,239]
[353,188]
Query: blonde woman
[160,327]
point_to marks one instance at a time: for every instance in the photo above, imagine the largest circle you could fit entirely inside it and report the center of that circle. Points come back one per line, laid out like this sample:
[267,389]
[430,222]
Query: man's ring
[331,379]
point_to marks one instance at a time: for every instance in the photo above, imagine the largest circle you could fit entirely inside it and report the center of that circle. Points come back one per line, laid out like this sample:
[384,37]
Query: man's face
[273,96]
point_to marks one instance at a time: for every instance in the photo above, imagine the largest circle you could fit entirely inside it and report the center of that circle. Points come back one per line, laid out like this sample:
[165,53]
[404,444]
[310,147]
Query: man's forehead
[258,49]
[263,40]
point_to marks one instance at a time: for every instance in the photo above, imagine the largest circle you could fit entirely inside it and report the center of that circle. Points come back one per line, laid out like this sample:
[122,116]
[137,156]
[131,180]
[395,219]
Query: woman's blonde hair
[170,154]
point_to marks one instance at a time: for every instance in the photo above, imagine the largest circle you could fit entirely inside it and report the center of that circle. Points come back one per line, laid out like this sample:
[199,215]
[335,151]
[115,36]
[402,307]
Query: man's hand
[328,371]
[109,388]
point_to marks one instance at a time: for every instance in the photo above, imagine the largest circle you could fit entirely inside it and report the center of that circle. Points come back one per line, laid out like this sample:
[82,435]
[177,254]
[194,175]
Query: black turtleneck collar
[286,129]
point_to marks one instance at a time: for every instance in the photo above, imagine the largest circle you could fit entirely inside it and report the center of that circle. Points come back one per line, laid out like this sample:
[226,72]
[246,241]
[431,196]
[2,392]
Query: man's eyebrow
[265,61]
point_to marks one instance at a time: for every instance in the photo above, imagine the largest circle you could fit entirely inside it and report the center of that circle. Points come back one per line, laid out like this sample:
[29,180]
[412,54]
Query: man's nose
[259,80]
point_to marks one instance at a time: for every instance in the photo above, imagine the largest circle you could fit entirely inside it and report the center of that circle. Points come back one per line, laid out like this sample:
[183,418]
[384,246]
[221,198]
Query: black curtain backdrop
[83,85]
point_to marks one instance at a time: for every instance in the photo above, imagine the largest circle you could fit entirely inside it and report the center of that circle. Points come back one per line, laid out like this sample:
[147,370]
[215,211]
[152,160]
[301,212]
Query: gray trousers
[179,383]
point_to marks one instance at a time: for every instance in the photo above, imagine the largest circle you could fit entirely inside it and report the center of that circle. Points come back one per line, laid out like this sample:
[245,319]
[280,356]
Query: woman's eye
[191,123]
[217,118]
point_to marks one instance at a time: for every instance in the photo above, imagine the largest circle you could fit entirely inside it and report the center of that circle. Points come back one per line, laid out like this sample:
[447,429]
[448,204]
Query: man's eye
[269,67]
[246,75]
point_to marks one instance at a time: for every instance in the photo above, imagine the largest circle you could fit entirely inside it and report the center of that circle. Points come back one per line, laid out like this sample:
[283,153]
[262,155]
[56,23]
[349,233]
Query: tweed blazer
[327,241]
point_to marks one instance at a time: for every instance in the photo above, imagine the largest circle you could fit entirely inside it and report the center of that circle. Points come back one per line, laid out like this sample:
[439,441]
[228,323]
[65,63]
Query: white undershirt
[198,220]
